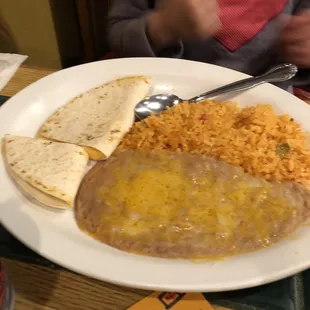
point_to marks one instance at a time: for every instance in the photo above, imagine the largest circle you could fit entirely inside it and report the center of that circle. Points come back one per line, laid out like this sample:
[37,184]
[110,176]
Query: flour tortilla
[99,118]
[49,172]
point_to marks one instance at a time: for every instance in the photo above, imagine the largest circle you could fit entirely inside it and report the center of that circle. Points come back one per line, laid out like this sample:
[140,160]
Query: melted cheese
[171,204]
[94,154]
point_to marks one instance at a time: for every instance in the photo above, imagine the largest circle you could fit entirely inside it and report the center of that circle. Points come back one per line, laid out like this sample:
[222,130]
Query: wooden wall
[92,15]
[31,27]
[55,33]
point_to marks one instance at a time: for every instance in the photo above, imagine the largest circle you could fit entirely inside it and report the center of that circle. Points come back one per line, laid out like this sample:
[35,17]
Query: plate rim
[24,240]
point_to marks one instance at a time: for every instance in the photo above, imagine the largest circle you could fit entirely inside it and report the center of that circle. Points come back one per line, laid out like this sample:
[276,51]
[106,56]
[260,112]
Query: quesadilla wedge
[49,172]
[98,119]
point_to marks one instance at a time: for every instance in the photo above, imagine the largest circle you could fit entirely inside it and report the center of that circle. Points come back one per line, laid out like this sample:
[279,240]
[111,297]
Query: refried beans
[180,205]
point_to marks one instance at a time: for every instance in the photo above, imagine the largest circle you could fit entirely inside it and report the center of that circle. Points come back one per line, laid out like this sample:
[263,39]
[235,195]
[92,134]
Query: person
[248,36]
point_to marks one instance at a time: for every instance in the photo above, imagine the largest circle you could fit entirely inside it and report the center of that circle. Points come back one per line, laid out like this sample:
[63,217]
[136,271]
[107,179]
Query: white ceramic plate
[55,235]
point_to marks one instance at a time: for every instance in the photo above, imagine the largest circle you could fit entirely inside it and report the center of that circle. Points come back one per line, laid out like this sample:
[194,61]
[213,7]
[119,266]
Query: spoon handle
[279,73]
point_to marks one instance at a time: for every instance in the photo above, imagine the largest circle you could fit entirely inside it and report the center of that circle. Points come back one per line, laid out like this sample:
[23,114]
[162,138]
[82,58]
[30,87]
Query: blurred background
[54,33]
[58,34]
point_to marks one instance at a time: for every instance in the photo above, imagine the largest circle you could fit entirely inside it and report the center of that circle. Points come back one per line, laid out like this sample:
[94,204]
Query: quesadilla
[49,172]
[98,119]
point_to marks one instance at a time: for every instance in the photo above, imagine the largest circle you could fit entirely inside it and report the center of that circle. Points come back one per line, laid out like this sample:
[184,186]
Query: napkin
[9,63]
[172,301]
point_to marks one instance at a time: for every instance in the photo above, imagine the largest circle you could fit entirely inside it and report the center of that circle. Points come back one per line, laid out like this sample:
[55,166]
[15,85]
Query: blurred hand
[295,40]
[183,19]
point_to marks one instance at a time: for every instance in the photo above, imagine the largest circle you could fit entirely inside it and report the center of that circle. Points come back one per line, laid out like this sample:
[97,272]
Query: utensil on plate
[158,103]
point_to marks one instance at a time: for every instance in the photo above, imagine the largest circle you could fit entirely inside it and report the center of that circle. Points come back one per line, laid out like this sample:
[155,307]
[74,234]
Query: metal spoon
[158,103]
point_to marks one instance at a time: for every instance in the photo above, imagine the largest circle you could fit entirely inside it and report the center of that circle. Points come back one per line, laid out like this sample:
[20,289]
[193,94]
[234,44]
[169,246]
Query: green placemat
[3,99]
[289,294]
